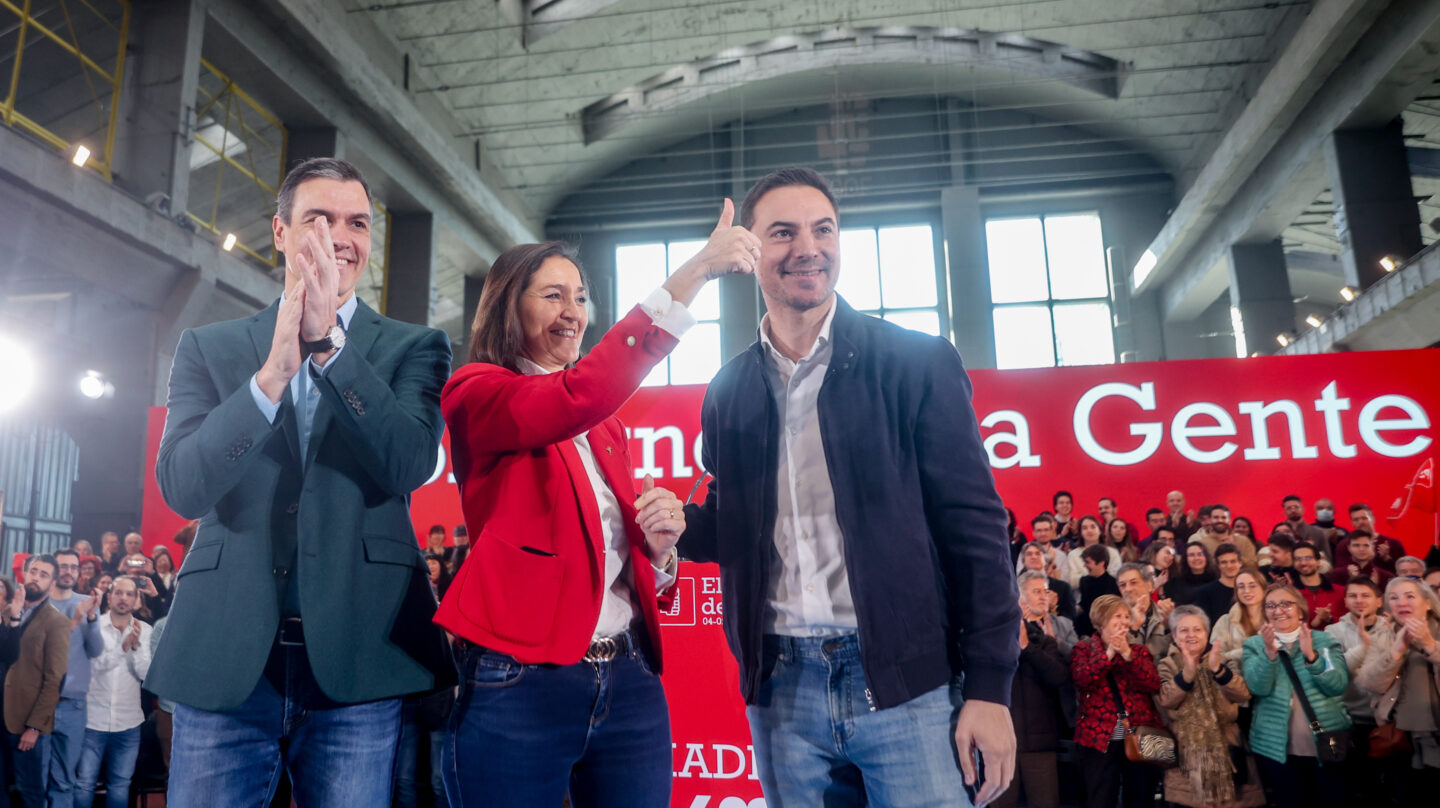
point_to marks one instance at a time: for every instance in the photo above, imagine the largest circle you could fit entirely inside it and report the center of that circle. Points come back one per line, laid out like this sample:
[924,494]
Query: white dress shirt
[617,608]
[113,703]
[809,585]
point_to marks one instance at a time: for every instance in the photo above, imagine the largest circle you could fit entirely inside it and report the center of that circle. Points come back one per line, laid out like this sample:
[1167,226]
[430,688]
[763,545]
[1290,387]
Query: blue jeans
[67,741]
[407,762]
[521,735]
[818,742]
[337,755]
[117,750]
[31,769]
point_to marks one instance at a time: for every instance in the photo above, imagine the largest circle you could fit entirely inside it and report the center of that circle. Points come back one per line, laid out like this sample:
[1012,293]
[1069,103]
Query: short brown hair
[1101,610]
[783,178]
[496,334]
[327,168]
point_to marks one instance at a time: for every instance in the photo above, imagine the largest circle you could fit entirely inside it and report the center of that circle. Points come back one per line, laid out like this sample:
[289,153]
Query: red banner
[1354,427]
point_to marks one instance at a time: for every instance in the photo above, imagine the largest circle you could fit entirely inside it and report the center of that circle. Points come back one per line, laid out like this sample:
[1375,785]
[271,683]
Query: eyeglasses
[1282,606]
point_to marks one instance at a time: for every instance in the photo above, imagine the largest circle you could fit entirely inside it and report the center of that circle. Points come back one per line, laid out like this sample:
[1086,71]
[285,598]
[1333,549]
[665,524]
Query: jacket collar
[843,326]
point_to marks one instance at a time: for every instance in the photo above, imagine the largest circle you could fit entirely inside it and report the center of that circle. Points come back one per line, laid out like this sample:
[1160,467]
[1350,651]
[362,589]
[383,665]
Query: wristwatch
[333,340]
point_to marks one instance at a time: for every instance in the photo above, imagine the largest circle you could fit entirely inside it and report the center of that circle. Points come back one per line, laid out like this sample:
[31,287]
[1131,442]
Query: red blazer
[1137,680]
[531,585]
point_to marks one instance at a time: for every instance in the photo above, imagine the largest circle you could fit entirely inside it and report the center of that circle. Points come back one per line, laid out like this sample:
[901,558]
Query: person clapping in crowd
[1147,616]
[113,709]
[1035,697]
[1200,695]
[1281,734]
[1116,681]
[1324,601]
[1402,669]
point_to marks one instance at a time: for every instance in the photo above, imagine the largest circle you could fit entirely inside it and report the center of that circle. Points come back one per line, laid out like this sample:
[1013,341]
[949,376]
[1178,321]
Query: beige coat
[1380,672]
[1177,784]
[1230,635]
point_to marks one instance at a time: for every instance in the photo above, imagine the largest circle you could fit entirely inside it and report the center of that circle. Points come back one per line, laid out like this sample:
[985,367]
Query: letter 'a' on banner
[1354,427]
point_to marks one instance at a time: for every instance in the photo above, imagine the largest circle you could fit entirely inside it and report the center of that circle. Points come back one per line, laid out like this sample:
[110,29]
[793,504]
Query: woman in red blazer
[1103,667]
[556,604]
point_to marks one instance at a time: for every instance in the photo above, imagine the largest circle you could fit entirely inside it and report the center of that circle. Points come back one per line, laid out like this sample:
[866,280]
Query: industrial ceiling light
[82,154]
[1313,321]
[229,242]
[1348,293]
[17,374]
[1390,263]
[1284,340]
[94,386]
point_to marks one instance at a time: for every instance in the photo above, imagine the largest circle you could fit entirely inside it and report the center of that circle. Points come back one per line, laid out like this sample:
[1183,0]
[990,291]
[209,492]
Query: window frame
[614,284]
[910,217]
[1050,301]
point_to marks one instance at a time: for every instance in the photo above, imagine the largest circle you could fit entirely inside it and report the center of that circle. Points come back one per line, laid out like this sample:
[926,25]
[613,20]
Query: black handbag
[1330,747]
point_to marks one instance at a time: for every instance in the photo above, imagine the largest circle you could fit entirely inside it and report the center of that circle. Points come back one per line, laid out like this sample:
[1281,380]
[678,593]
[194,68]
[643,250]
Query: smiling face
[1134,588]
[1190,634]
[1229,565]
[1164,558]
[1249,589]
[1305,561]
[1195,559]
[799,235]
[1033,558]
[1118,625]
[1063,506]
[1405,600]
[1035,595]
[346,209]
[552,314]
[1283,611]
[1362,548]
[1089,531]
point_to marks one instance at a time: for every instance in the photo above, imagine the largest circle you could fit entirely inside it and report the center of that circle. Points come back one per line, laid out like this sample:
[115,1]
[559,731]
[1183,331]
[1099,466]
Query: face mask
[1324,515]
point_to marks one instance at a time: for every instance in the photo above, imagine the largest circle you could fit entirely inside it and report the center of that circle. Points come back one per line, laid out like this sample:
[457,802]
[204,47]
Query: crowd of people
[76,640]
[1301,668]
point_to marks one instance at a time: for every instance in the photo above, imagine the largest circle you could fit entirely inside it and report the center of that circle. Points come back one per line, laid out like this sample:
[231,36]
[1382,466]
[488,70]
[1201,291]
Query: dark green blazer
[340,523]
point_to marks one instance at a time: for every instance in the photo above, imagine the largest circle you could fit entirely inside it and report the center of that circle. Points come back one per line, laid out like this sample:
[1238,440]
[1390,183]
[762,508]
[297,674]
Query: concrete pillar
[741,305]
[1260,289]
[316,141]
[1375,210]
[970,315]
[409,282]
[162,74]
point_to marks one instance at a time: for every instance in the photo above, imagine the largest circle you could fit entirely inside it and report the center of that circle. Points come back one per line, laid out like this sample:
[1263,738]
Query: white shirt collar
[530,368]
[820,341]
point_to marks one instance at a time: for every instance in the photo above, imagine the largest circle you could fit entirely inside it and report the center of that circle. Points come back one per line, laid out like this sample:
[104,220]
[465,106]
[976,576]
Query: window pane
[639,268]
[1022,337]
[859,281]
[1017,260]
[1077,256]
[706,305]
[1082,331]
[927,322]
[697,358]
[907,266]
[658,375]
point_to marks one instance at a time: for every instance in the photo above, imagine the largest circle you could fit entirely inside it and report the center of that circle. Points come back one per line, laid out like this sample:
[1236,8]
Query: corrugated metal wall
[38,469]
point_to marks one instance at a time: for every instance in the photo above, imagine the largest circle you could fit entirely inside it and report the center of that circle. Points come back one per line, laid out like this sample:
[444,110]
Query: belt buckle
[291,634]
[602,649]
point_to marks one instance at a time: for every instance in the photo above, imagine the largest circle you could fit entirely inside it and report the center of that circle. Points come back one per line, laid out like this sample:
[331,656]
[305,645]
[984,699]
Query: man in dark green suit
[296,437]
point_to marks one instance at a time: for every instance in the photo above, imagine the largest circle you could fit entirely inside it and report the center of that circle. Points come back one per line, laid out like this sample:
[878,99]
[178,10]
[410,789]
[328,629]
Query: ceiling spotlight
[229,242]
[1313,321]
[1348,293]
[1390,263]
[82,154]
[17,370]
[94,386]
[1283,339]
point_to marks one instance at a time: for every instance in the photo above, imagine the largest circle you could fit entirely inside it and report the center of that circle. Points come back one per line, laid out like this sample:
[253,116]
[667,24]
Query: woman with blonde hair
[1200,696]
[1245,618]
[1402,668]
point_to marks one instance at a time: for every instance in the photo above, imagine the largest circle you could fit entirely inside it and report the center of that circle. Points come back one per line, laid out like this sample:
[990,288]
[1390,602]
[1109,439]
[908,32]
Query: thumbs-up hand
[731,250]
[662,516]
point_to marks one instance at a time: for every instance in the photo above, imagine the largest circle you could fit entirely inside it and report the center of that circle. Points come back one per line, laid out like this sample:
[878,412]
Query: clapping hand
[132,637]
[1267,633]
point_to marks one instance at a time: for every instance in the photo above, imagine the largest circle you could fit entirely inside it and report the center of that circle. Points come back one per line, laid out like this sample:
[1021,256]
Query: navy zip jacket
[925,534]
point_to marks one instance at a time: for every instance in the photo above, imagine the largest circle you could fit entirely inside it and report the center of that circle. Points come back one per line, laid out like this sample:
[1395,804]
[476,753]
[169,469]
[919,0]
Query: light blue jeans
[67,741]
[338,755]
[817,742]
[117,750]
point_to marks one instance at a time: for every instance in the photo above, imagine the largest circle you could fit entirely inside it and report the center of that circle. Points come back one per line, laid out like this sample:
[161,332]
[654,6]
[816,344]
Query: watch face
[337,337]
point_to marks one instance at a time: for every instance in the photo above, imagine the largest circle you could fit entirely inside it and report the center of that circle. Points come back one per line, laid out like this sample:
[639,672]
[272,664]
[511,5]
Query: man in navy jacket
[863,548]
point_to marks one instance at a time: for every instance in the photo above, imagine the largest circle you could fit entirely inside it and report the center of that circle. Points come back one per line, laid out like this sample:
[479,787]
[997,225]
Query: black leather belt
[291,632]
[604,649]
